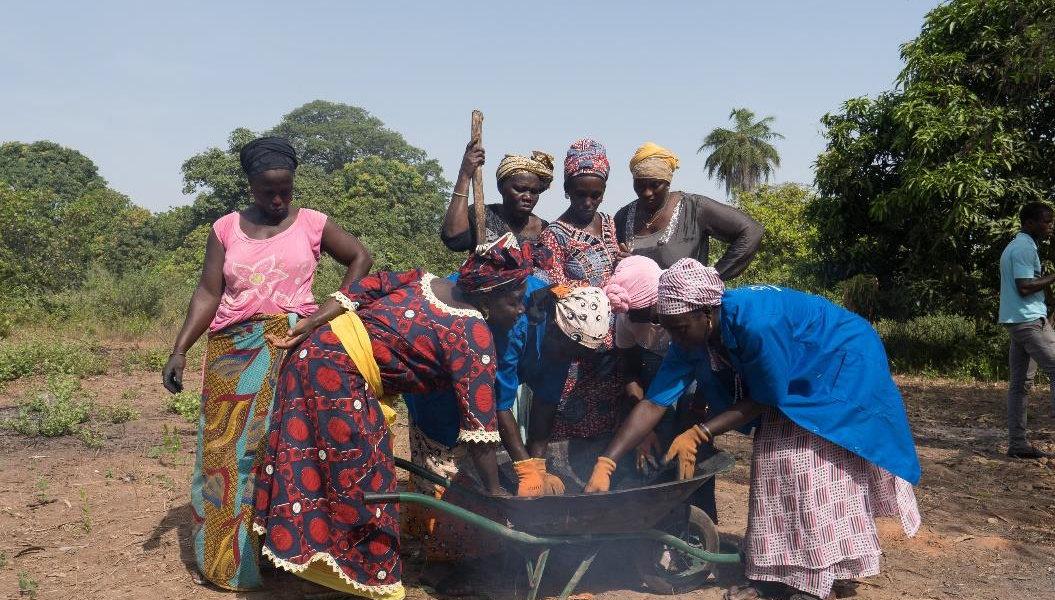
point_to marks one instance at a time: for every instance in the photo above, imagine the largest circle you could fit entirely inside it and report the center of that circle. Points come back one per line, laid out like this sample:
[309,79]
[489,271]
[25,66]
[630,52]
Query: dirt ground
[115,523]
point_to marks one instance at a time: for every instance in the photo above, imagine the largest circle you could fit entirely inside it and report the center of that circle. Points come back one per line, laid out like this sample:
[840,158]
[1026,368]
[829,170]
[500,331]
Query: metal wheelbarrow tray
[646,513]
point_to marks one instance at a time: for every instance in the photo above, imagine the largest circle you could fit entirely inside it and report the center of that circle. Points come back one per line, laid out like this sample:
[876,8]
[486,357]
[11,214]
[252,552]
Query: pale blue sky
[141,86]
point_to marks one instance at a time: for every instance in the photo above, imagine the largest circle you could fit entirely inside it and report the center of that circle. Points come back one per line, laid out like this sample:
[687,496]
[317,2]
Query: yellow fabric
[323,574]
[684,448]
[660,164]
[601,479]
[356,341]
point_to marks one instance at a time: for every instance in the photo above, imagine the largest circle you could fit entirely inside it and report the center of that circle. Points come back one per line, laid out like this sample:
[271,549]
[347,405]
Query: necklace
[631,217]
[656,214]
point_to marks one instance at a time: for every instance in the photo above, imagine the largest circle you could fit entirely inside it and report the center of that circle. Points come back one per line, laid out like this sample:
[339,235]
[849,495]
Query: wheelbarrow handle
[439,480]
[511,534]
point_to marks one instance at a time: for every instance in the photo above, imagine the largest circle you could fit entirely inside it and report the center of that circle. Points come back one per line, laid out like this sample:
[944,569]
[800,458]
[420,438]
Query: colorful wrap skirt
[238,387]
[328,445]
[812,509]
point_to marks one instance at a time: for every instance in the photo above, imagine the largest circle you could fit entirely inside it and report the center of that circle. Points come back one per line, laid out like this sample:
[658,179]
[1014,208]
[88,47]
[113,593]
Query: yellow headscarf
[652,161]
[539,163]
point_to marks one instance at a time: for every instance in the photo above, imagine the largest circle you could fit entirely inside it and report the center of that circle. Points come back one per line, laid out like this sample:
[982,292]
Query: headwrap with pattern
[266,153]
[497,265]
[583,314]
[652,161]
[586,157]
[688,285]
[539,163]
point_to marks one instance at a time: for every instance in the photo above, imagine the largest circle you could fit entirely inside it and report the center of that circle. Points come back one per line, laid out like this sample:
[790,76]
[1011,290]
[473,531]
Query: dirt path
[114,523]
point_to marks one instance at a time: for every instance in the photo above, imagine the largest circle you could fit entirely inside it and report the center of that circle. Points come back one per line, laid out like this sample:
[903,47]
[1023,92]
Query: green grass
[151,359]
[59,408]
[48,357]
[185,404]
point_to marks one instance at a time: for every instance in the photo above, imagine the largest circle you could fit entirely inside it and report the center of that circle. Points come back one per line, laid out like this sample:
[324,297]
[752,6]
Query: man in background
[1024,314]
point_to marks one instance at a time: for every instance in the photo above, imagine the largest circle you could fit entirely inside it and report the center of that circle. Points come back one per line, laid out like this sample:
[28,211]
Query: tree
[48,167]
[787,256]
[921,186]
[742,157]
[394,210]
[330,135]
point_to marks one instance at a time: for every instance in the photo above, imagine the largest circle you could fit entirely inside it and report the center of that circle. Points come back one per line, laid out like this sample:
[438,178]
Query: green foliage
[27,586]
[86,512]
[861,295]
[40,357]
[921,185]
[60,408]
[64,173]
[218,178]
[742,157]
[394,210]
[185,404]
[786,257]
[35,256]
[170,447]
[150,359]
[121,413]
[947,345]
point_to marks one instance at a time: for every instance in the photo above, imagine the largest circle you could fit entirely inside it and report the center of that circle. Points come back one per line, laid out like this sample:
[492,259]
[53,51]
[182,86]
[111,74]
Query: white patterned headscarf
[688,285]
[583,314]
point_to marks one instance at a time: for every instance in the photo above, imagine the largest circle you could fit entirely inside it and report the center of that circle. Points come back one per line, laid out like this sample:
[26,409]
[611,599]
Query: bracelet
[183,354]
[466,196]
[707,430]
[345,301]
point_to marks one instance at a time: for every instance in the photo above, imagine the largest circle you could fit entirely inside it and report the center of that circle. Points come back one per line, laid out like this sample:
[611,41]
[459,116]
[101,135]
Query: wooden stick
[478,182]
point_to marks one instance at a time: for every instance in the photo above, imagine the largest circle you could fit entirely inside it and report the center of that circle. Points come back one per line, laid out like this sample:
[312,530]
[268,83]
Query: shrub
[57,409]
[152,359]
[185,404]
[43,357]
[120,413]
[947,345]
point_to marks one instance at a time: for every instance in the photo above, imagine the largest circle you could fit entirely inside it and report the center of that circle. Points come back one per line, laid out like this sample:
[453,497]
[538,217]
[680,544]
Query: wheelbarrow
[677,543]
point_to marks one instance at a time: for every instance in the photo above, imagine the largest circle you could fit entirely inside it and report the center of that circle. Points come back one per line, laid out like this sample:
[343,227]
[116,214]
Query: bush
[946,345]
[185,404]
[41,357]
[120,413]
[57,409]
[152,359]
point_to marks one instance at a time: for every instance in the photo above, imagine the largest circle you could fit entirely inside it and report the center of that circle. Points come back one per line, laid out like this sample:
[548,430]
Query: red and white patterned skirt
[813,506]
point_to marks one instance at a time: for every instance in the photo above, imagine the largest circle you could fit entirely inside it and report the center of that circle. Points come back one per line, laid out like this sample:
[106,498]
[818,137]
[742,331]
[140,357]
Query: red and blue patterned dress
[328,442]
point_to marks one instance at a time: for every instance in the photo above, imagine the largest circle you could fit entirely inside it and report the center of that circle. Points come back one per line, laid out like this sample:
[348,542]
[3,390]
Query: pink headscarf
[688,285]
[635,284]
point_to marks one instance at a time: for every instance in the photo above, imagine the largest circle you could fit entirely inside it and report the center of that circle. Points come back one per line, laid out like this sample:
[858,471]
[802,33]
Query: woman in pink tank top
[256,281]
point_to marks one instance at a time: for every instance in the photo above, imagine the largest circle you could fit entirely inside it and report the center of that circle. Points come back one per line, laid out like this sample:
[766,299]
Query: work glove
[530,477]
[684,447]
[601,479]
[647,451]
[551,484]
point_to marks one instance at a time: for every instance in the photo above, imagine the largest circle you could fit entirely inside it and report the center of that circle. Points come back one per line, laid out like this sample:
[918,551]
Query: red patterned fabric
[812,509]
[500,264]
[586,157]
[592,403]
[329,444]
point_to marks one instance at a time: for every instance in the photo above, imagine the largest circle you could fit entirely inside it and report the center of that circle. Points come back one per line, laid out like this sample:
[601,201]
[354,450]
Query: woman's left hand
[623,252]
[297,334]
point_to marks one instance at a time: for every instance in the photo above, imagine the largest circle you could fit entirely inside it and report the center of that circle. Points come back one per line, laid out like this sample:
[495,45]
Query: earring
[485,313]
[567,196]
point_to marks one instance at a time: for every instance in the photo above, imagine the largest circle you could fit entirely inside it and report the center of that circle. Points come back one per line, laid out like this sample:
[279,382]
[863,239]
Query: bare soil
[115,523]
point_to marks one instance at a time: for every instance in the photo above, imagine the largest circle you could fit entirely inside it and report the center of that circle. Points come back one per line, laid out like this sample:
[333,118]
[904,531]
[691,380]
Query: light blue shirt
[1020,260]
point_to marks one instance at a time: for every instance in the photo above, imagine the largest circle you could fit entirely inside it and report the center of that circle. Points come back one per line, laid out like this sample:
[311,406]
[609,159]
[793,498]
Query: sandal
[742,592]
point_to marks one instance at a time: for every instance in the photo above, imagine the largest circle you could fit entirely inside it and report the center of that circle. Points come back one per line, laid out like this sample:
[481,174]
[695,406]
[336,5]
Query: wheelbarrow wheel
[665,570]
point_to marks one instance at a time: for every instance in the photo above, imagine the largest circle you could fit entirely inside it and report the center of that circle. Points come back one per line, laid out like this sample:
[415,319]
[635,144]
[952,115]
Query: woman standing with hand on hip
[259,267]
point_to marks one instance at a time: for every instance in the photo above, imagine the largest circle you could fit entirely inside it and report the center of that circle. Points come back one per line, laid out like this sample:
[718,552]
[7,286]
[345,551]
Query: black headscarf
[263,154]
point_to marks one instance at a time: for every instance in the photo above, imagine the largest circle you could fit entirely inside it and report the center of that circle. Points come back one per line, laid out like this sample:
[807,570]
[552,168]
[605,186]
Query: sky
[139,87]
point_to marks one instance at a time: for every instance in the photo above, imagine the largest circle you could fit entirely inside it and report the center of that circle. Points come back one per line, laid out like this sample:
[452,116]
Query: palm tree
[743,156]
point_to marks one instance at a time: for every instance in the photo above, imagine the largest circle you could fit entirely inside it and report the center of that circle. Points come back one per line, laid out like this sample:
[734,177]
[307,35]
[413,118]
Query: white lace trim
[345,301]
[426,290]
[479,436]
[388,588]
[631,216]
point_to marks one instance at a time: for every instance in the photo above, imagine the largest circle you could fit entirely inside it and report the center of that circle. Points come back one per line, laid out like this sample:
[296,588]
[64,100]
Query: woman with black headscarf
[256,280]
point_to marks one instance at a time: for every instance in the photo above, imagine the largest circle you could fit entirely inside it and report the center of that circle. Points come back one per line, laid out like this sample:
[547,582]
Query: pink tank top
[268,276]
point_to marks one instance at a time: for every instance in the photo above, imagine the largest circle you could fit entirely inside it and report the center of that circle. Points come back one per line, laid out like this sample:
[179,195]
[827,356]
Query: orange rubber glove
[551,484]
[530,478]
[601,478]
[684,447]
[647,451]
